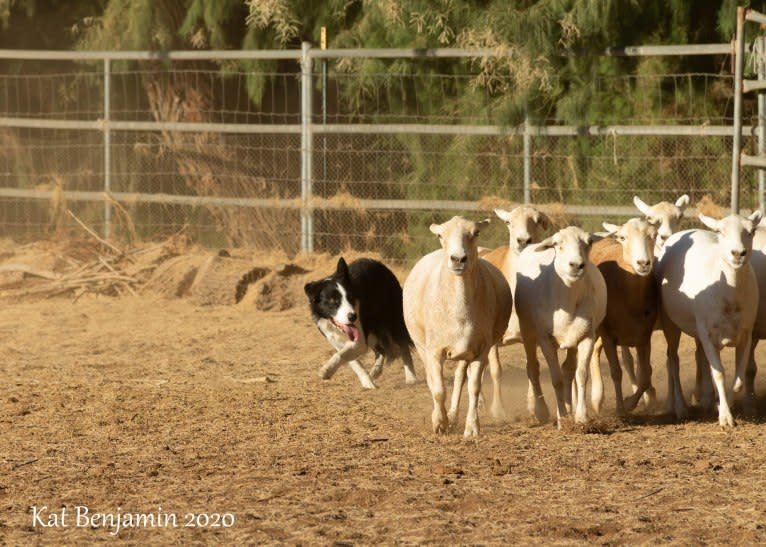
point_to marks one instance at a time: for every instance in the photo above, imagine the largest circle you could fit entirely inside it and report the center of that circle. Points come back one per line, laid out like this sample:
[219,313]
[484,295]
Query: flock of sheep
[586,293]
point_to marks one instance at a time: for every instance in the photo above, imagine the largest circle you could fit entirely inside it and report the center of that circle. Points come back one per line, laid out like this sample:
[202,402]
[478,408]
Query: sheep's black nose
[643,263]
[577,265]
[523,241]
[352,317]
[459,259]
[741,253]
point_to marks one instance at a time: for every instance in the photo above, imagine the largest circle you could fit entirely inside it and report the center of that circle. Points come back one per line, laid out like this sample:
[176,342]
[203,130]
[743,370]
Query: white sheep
[708,290]
[456,306]
[561,300]
[666,216]
[704,386]
[525,225]
[625,259]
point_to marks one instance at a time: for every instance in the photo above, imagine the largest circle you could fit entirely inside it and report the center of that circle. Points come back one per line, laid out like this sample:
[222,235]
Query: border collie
[357,308]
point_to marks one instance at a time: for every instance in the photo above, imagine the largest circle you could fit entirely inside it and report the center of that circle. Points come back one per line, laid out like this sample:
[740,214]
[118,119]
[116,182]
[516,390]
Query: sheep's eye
[620,238]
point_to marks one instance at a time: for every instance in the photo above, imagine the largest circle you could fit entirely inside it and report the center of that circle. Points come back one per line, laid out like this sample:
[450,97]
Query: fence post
[307,215]
[760,63]
[107,146]
[739,66]
[527,160]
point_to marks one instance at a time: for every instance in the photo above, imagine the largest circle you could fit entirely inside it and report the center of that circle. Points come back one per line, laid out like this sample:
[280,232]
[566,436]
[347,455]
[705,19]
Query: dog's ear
[312,290]
[342,270]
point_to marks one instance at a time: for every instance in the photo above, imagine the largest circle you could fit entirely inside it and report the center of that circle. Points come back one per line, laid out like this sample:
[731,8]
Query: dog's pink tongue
[352,332]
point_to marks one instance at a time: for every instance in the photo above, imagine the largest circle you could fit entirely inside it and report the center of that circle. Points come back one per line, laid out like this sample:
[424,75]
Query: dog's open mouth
[349,330]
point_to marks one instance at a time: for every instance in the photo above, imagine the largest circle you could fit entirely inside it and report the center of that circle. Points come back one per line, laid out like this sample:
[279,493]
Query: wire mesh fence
[395,146]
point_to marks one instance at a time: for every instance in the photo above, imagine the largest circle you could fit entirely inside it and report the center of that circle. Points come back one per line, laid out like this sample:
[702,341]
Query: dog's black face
[332,299]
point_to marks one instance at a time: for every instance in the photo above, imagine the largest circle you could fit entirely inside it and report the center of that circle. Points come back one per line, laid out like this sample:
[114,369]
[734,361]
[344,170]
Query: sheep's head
[637,237]
[525,225]
[572,247]
[458,239]
[735,236]
[665,215]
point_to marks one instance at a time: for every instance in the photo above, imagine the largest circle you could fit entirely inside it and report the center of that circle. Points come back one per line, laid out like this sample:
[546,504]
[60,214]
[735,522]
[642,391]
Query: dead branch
[92,233]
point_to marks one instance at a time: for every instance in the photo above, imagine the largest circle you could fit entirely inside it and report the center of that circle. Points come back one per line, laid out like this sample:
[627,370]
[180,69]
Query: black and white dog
[357,308]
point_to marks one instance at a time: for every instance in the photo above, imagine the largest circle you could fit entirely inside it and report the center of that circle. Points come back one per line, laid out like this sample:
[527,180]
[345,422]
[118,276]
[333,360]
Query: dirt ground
[151,404]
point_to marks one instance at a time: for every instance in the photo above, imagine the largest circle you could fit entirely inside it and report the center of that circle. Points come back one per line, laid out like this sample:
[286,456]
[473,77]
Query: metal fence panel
[357,161]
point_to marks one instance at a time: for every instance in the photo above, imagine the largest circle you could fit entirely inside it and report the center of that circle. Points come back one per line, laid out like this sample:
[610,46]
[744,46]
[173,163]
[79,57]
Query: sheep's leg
[475,373]
[628,366]
[742,360]
[435,378]
[377,367]
[362,374]
[643,354]
[457,391]
[535,401]
[556,377]
[675,401]
[497,410]
[752,368]
[584,354]
[615,371]
[568,374]
[596,382]
[409,367]
[725,419]
[649,396]
[703,383]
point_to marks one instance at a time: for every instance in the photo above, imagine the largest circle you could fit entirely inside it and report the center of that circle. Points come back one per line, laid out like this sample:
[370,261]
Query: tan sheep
[625,258]
[456,306]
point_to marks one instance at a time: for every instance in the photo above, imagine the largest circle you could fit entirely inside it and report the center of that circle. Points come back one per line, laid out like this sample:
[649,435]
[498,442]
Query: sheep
[666,217]
[625,259]
[708,290]
[525,225]
[561,300]
[758,262]
[456,306]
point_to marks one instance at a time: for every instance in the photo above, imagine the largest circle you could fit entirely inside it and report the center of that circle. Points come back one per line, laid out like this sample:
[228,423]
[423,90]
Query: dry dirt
[135,403]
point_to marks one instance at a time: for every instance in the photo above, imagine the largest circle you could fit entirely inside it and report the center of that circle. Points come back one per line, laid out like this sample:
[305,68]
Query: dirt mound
[223,279]
[173,269]
[281,289]
[175,276]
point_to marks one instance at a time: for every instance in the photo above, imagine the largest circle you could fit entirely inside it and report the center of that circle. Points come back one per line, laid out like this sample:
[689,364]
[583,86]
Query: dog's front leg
[362,374]
[347,353]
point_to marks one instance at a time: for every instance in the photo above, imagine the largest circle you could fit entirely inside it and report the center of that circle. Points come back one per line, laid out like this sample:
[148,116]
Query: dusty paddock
[138,403]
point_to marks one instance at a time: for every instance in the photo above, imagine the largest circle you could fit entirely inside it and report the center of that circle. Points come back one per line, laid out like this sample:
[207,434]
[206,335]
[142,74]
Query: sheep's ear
[481,224]
[682,202]
[755,218]
[641,206]
[542,220]
[546,243]
[710,222]
[502,214]
[436,229]
[610,228]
